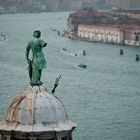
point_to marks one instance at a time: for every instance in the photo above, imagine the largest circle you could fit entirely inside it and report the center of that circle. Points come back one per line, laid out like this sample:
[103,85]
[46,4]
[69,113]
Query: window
[18,139]
[137,38]
[64,138]
[97,38]
[0,137]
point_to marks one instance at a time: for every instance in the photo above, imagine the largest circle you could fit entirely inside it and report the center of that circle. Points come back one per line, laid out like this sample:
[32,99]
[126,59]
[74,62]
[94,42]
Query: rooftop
[111,27]
[35,110]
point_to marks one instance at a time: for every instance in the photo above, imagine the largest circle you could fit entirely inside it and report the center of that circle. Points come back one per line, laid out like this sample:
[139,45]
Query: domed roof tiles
[35,110]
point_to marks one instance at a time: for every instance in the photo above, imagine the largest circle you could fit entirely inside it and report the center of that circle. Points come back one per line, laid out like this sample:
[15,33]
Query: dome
[35,110]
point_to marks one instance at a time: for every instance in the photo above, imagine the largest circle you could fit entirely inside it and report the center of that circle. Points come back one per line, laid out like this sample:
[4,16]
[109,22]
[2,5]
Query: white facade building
[101,34]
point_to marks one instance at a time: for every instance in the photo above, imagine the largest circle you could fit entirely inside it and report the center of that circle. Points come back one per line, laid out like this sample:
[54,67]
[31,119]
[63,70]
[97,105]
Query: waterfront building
[80,17]
[124,4]
[107,34]
[2,10]
[135,4]
[129,35]
[108,27]
[132,37]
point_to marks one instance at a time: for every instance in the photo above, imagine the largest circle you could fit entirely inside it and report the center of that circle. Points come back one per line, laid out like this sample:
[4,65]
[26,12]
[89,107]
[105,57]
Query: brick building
[132,36]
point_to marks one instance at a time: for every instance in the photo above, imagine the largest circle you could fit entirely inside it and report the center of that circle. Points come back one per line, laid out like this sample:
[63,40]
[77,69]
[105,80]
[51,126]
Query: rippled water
[103,99]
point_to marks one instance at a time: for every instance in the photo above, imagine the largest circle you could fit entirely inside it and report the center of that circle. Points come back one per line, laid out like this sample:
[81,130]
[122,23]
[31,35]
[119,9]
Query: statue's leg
[35,75]
[40,73]
[30,71]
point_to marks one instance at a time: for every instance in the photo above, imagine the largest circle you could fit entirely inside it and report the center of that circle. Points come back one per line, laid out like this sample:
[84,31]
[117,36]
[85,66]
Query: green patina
[38,61]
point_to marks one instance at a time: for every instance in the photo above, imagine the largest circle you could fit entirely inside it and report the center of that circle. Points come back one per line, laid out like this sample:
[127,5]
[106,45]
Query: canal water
[104,98]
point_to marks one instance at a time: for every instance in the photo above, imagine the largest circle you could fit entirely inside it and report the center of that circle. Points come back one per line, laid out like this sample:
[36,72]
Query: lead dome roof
[36,111]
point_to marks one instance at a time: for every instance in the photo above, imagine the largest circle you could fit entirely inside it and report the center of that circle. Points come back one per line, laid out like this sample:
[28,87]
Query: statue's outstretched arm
[45,45]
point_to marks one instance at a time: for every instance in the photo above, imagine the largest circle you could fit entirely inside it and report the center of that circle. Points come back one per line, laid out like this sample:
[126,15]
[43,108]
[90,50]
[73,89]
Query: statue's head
[37,34]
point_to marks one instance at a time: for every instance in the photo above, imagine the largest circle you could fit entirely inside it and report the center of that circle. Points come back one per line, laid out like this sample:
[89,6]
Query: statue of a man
[38,60]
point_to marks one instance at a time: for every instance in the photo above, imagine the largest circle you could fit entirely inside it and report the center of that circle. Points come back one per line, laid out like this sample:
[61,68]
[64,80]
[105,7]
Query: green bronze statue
[38,61]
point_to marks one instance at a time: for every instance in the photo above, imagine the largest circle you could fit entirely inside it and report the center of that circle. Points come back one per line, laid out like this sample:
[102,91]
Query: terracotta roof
[113,27]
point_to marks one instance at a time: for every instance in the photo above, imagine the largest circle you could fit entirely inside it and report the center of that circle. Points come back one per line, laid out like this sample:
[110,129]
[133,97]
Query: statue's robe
[38,60]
